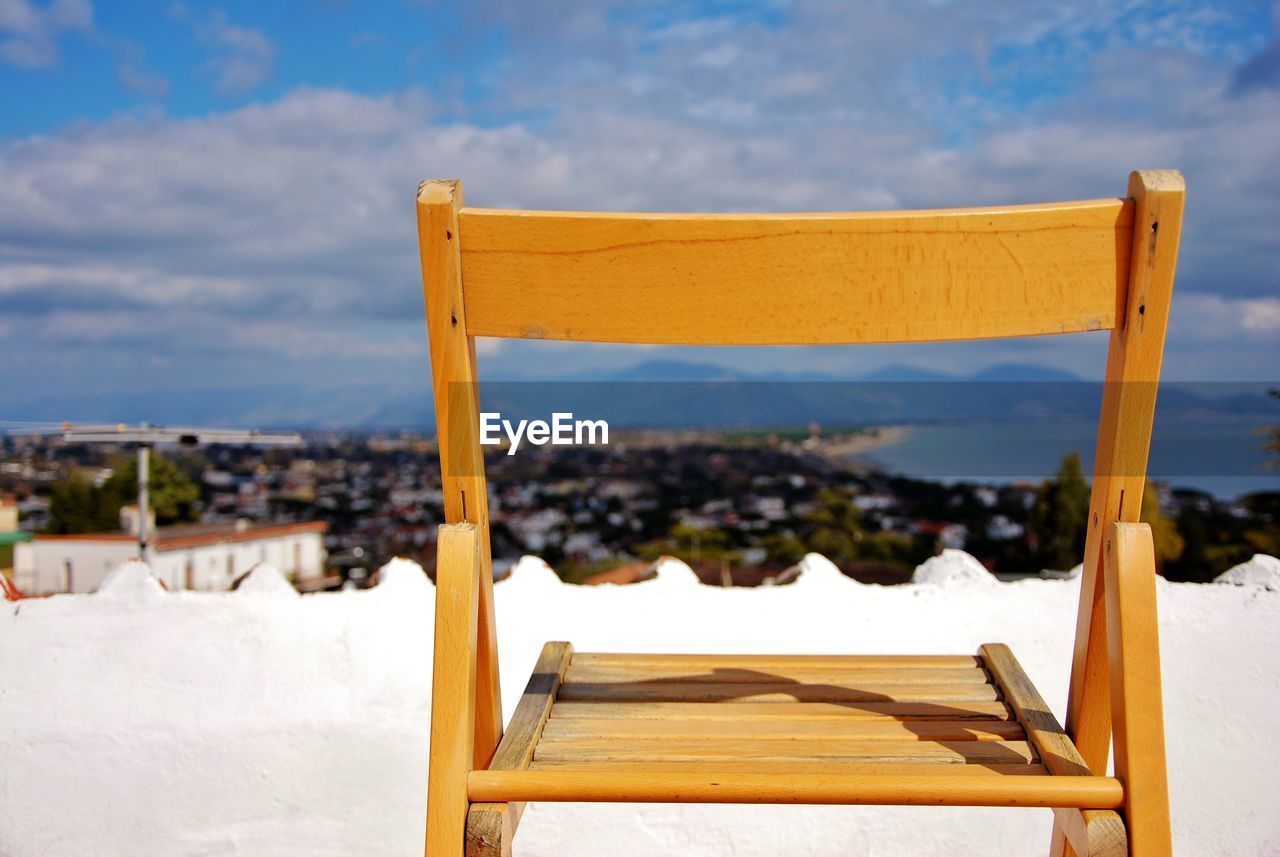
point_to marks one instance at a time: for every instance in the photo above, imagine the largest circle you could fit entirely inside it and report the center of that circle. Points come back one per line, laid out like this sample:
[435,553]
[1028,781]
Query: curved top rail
[772,279]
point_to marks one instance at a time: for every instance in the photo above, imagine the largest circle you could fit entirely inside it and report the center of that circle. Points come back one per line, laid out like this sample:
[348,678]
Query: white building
[195,556]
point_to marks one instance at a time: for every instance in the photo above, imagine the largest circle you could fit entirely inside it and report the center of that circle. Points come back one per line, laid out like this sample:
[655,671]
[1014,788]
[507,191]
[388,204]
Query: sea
[1223,457]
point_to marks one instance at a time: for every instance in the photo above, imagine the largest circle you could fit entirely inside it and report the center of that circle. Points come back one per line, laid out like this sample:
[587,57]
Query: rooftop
[197,535]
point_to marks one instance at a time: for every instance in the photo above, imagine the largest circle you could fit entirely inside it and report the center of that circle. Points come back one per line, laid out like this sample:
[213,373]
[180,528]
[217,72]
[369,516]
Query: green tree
[695,544]
[171,493]
[1216,539]
[78,506]
[1272,443]
[782,548]
[1058,519]
[897,548]
[835,526]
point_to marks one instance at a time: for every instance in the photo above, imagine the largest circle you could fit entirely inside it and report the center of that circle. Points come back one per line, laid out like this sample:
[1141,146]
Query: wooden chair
[955,730]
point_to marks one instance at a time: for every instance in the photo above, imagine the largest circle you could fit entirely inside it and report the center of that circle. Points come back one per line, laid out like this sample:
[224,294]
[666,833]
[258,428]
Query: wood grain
[1093,832]
[843,767]
[567,730]
[454,381]
[1137,706]
[772,662]
[1134,358]
[593,673]
[1043,731]
[783,711]
[844,692]
[709,750]
[491,826]
[797,278]
[453,688]
[924,789]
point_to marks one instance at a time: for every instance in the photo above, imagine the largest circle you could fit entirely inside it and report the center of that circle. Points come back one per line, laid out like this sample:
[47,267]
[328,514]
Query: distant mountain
[660,370]
[683,370]
[896,373]
[678,394]
[256,406]
[665,394]
[1022,372]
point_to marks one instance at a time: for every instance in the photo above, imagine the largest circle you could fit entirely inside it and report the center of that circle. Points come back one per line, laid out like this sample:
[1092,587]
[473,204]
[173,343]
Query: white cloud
[29,33]
[1221,338]
[137,79]
[289,341]
[1262,316]
[29,37]
[96,326]
[293,219]
[1200,317]
[298,213]
[242,56]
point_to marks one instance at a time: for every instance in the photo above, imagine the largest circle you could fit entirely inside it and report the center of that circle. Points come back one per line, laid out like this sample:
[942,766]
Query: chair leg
[490,829]
[1092,832]
[1137,708]
[453,689]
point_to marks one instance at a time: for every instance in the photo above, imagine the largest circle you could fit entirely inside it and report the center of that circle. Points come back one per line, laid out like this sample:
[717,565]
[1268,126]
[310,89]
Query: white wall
[215,567]
[40,566]
[137,722]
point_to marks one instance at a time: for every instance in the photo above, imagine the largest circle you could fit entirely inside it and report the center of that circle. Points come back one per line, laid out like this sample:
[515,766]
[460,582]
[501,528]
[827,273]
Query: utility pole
[144,475]
[145,437]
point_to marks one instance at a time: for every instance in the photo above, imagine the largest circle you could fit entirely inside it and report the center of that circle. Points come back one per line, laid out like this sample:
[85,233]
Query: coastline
[1223,458]
[876,437]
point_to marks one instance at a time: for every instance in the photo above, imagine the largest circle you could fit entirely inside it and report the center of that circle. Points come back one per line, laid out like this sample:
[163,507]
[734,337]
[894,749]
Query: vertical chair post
[453,688]
[1133,639]
[1124,437]
[454,379]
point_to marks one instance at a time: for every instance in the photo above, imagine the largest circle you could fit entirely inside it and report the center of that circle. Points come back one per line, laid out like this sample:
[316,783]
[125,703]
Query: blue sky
[214,199]
[189,60]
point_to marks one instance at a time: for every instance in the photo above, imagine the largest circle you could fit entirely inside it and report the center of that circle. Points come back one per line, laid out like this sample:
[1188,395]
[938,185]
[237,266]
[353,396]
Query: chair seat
[796,712]
[873,718]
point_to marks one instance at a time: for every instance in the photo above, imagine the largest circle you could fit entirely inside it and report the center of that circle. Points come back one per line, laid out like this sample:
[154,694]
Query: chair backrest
[796,278]
[807,279]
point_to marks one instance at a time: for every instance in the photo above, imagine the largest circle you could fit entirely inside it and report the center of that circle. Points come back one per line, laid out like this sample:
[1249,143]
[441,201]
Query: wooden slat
[796,278]
[927,788]
[739,675]
[783,711]
[453,688]
[1043,729]
[766,744]
[850,692]
[491,825]
[564,730]
[530,717]
[1102,832]
[772,662]
[1136,700]
[843,767]
[997,752]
